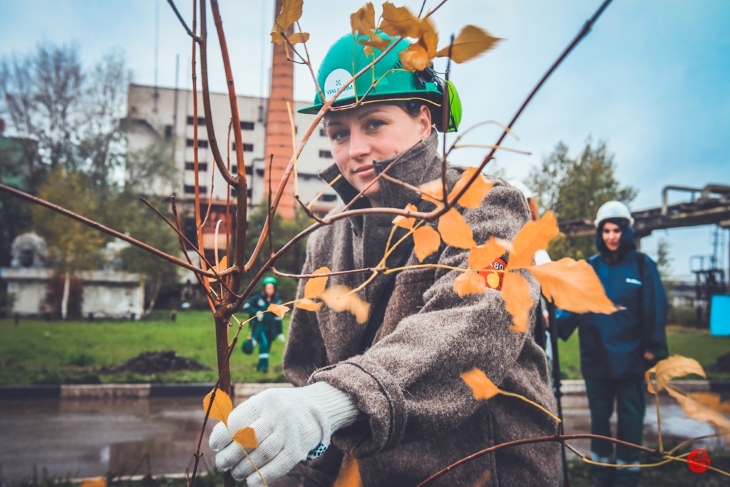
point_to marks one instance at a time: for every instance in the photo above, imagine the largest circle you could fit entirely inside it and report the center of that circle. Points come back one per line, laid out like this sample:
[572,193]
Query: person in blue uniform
[265,326]
[616,349]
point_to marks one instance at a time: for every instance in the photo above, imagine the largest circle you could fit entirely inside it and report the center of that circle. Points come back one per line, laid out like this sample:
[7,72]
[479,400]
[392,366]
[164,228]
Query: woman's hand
[289,424]
[648,356]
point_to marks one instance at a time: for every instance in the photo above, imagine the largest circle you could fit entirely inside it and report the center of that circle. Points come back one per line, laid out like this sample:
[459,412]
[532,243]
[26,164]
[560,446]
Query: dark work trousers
[630,398]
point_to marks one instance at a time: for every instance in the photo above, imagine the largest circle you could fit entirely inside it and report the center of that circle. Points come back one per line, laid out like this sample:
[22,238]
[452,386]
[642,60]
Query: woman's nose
[359,145]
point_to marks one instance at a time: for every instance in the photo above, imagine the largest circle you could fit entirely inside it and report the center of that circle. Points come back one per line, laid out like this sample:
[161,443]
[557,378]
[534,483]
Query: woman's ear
[424,121]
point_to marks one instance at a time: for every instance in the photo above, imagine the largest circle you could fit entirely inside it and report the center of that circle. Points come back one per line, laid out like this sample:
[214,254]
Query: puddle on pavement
[86,438]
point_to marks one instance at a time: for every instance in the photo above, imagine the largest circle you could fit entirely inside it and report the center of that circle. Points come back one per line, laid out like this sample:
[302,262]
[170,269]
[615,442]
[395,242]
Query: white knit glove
[289,424]
[281,338]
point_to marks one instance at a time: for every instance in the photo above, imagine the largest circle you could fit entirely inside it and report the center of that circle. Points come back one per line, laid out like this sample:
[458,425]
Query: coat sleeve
[655,308]
[409,383]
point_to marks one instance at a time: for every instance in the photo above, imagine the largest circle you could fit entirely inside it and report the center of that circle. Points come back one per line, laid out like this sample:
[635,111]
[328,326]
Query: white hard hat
[613,209]
[522,187]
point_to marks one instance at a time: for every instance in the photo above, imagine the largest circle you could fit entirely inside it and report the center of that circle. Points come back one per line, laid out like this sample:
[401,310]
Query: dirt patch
[721,365]
[148,363]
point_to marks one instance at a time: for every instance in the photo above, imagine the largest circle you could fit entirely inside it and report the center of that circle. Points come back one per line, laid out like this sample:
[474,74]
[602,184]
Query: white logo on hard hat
[335,80]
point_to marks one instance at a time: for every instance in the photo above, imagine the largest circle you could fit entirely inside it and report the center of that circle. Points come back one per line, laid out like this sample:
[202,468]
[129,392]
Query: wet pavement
[86,438]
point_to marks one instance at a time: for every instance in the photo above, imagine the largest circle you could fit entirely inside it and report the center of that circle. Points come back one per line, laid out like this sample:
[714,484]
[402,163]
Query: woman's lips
[365,172]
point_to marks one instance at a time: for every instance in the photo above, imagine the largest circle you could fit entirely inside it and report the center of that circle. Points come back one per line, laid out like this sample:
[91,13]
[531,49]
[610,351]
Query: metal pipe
[665,192]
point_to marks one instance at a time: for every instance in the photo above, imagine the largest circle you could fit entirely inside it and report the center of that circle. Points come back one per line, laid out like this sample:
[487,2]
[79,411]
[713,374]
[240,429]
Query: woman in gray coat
[389,392]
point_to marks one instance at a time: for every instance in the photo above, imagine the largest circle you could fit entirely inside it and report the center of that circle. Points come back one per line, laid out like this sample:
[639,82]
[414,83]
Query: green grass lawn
[39,352]
[690,342]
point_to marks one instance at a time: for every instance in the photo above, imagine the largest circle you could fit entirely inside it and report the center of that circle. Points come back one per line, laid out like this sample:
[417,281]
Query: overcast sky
[652,78]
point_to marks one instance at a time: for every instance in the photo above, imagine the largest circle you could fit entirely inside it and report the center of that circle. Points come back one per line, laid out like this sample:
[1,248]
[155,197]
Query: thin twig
[182,21]
[433,11]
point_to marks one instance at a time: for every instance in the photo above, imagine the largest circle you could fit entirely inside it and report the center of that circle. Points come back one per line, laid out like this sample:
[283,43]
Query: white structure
[165,113]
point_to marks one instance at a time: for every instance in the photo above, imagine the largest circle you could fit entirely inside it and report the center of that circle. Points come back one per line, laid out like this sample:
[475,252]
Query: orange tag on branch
[492,278]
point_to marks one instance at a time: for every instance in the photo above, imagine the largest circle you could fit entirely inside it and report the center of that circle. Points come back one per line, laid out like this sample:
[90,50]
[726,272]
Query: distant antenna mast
[157,42]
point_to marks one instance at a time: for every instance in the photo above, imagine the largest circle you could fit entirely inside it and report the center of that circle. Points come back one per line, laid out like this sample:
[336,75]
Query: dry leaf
[299,37]
[399,21]
[473,196]
[480,385]
[532,237]
[676,366]
[308,304]
[315,285]
[349,475]
[418,56]
[695,410]
[455,231]
[432,191]
[278,309]
[484,479]
[426,241]
[404,221]
[94,482]
[711,399]
[374,40]
[368,50]
[222,265]
[364,19]
[517,301]
[221,408]
[339,298]
[470,43]
[246,437]
[469,283]
[484,255]
[573,286]
[291,11]
[276,37]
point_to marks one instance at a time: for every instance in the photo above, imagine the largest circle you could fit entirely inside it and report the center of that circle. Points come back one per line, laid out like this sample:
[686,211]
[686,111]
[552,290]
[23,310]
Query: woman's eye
[374,124]
[338,135]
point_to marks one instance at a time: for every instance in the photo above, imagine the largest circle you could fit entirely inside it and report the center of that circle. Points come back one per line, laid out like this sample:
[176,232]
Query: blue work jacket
[612,346]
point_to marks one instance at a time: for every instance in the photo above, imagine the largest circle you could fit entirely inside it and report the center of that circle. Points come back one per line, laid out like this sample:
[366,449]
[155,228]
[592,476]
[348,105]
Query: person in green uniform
[265,327]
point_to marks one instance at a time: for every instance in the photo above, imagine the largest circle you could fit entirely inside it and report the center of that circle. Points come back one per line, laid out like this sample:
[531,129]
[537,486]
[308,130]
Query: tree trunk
[64,300]
[224,369]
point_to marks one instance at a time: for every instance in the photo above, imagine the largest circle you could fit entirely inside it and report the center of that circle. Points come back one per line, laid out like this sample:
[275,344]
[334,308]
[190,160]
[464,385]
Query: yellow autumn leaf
[299,37]
[676,366]
[711,399]
[432,191]
[221,408]
[276,37]
[374,40]
[222,265]
[399,21]
[426,241]
[484,255]
[572,286]
[473,196]
[291,11]
[532,237]
[246,437]
[470,43]
[308,304]
[455,231]
[278,309]
[349,475]
[339,298]
[700,412]
[404,221]
[94,482]
[469,283]
[517,301]
[364,19]
[315,285]
[418,55]
[481,386]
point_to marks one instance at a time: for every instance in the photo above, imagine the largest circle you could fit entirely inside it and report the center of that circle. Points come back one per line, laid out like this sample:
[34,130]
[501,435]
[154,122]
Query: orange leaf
[291,11]
[399,21]
[573,286]
[363,20]
[315,285]
[696,410]
[532,237]
[432,191]
[246,437]
[222,265]
[469,283]
[276,37]
[484,479]
[222,405]
[470,43]
[94,482]
[481,386]
[418,56]
[299,37]
[375,41]
[340,298]
[308,304]
[349,475]
[676,366]
[404,221]
[517,301]
[455,231]
[473,196]
[278,309]
[711,399]
[426,241]
[483,255]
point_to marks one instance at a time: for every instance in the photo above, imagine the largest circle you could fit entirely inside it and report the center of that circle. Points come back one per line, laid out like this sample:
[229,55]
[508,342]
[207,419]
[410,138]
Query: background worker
[265,326]
[616,349]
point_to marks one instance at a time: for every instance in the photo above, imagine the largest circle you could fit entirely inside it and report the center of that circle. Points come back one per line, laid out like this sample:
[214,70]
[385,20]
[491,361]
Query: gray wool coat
[418,414]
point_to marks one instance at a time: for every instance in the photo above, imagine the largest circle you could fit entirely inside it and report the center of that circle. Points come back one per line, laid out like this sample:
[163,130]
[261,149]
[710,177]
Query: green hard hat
[270,280]
[391,82]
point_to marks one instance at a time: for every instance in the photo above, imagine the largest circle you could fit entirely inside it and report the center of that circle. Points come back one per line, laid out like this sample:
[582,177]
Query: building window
[246,147]
[322,133]
[202,144]
[201,120]
[234,193]
[190,189]
[329,198]
[247,125]
[234,170]
[202,166]
[168,132]
[325,154]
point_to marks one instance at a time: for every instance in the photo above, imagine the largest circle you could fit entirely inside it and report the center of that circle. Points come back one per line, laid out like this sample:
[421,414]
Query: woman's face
[372,133]
[269,289]
[611,236]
